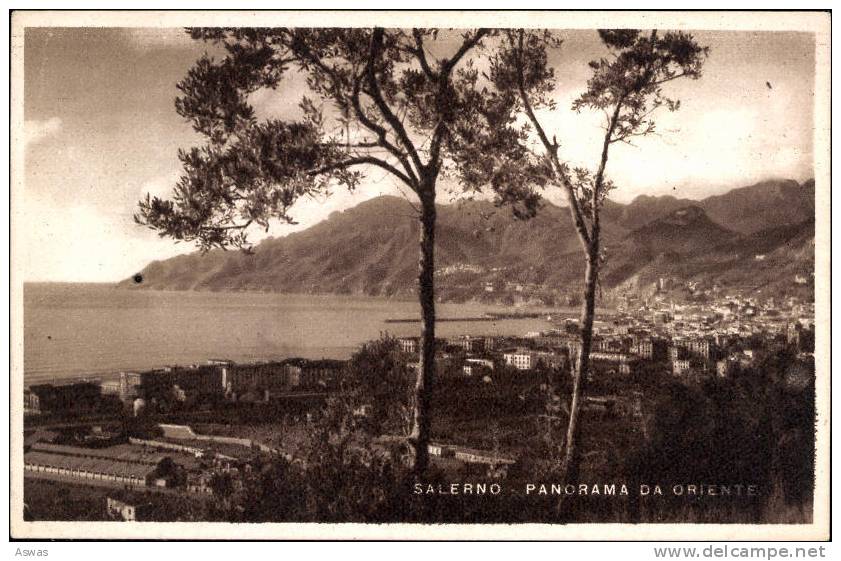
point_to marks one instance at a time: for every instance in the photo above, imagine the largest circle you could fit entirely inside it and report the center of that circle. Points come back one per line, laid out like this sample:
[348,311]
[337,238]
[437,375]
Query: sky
[101,131]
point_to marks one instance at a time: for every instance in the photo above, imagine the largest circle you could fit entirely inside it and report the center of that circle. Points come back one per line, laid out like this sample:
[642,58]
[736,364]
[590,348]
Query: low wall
[247,442]
[185,432]
[167,445]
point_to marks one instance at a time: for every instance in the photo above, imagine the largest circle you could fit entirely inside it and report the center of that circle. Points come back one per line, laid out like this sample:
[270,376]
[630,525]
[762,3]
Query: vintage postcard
[420,275]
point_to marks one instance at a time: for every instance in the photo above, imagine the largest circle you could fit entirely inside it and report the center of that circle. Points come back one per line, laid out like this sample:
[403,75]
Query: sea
[89,331]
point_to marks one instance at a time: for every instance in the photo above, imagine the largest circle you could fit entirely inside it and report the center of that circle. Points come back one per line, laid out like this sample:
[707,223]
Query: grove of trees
[431,109]
[626,85]
[411,103]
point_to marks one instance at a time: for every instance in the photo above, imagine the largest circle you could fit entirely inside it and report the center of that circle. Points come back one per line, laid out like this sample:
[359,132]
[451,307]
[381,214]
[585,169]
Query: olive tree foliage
[374,391]
[626,86]
[375,99]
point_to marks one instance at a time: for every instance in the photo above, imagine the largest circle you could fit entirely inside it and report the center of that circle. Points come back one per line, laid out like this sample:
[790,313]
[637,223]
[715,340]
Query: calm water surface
[79,330]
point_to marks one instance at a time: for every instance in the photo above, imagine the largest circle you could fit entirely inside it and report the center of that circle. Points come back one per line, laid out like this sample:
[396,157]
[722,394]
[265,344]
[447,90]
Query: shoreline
[124,285]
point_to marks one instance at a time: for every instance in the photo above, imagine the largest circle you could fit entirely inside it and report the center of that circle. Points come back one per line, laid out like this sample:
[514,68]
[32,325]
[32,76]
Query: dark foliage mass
[374,99]
[753,428]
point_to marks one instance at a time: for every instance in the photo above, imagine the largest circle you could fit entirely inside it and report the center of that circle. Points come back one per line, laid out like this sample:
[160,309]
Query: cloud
[161,187]
[80,243]
[36,131]
[282,103]
[153,38]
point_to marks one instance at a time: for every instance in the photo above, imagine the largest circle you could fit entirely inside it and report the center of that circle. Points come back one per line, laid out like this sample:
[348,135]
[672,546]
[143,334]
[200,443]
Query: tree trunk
[426,371]
[572,455]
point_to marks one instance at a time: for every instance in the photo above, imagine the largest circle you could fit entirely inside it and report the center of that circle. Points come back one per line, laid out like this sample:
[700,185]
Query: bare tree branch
[420,53]
[366,160]
[385,110]
[468,44]
[551,148]
[381,132]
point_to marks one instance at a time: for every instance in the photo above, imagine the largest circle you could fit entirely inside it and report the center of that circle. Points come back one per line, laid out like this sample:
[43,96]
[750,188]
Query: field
[51,500]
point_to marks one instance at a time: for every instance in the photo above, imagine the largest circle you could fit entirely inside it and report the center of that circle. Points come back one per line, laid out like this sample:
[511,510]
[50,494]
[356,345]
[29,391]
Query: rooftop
[120,453]
[94,465]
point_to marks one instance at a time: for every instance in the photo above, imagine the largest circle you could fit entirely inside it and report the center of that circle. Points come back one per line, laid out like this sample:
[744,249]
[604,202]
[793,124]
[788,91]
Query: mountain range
[760,236]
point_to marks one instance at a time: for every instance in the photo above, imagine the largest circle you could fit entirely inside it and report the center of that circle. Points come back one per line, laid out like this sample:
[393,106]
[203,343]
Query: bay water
[76,331]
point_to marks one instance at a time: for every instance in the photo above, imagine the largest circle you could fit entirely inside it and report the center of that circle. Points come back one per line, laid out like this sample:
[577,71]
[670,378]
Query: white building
[477,365]
[408,344]
[680,366]
[521,360]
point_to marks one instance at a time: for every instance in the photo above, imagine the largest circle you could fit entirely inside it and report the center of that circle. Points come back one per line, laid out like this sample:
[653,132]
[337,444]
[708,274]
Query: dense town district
[163,444]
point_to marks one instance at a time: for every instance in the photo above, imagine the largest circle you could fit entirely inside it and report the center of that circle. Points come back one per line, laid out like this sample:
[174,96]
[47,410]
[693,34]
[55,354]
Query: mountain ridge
[372,248]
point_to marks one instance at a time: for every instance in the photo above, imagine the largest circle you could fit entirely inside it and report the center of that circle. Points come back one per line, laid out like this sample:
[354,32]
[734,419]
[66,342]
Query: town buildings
[77,396]
[688,341]
[120,464]
[126,509]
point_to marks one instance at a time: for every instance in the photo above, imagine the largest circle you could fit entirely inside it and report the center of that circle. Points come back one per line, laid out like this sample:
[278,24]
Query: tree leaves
[374,98]
[257,176]
[631,79]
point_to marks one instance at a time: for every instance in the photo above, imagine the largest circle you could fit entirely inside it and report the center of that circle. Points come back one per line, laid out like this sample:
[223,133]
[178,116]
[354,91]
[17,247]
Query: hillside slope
[372,248]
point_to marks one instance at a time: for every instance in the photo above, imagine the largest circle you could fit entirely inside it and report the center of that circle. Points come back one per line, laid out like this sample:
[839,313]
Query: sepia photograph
[420,275]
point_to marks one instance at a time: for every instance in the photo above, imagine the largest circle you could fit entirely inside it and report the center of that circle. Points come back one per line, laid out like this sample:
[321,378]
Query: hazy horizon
[192,249]
[101,131]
